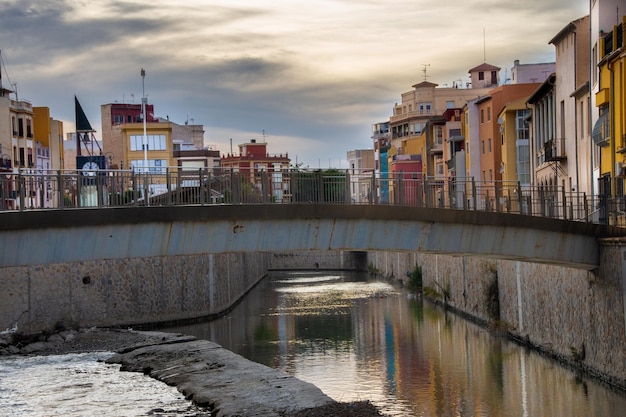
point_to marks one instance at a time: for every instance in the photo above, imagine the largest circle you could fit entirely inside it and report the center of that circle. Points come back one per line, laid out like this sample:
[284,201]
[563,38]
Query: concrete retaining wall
[573,315]
[318,260]
[123,292]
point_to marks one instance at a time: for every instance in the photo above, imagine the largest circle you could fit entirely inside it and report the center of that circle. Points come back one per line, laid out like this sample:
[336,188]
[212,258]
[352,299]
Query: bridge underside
[36,238]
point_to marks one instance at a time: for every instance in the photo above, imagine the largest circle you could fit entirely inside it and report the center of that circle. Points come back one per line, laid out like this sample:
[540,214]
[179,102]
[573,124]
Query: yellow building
[48,132]
[515,139]
[609,131]
[160,152]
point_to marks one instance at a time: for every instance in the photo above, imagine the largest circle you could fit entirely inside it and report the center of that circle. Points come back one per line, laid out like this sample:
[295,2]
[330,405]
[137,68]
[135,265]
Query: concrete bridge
[71,235]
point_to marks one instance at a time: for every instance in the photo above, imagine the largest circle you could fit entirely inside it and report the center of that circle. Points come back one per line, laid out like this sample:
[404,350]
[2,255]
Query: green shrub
[415,279]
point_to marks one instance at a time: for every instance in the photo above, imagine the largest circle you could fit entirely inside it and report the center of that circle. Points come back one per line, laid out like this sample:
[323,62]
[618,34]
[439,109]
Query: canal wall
[125,292]
[571,315]
[318,260]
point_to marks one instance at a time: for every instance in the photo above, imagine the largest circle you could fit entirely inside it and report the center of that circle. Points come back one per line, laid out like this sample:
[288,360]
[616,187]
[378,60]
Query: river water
[361,339]
[354,337]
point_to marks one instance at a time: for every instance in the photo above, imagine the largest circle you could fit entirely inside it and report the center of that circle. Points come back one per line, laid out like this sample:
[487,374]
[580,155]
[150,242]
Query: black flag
[82,124]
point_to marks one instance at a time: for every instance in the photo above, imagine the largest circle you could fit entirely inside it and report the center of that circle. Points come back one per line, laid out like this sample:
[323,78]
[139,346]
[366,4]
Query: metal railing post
[474,201]
[60,190]
[564,199]
[497,195]
[373,194]
[347,189]
[320,185]
[520,198]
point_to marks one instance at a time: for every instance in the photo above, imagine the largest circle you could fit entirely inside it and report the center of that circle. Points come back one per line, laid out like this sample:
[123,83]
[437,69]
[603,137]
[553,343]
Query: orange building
[489,135]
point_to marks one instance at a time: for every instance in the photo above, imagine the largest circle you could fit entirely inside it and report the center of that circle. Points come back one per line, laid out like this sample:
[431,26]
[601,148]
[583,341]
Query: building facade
[610,130]
[265,173]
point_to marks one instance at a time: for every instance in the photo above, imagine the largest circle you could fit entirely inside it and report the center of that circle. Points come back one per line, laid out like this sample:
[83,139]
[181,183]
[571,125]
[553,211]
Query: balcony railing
[554,150]
[31,189]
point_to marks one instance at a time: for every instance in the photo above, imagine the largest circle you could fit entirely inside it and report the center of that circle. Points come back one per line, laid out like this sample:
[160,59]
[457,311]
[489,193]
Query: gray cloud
[324,73]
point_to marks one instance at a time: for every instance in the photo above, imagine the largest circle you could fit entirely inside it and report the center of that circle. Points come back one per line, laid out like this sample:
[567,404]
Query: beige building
[426,104]
[361,167]
[570,150]
[16,131]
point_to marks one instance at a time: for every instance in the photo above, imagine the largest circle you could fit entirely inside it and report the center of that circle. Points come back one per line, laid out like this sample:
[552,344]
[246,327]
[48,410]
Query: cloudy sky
[313,75]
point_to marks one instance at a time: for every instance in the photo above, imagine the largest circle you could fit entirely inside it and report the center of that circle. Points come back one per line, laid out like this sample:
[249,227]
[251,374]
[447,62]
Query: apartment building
[603,16]
[567,154]
[16,130]
[48,135]
[515,138]
[489,138]
[610,129]
[361,167]
[169,144]
[254,165]
[421,112]
[530,73]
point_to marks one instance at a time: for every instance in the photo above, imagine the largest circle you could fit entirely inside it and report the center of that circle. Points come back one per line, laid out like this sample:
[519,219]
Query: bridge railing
[26,190]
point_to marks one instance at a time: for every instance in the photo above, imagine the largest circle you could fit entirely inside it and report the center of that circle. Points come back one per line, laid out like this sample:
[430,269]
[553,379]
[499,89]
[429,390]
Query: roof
[569,28]
[424,84]
[485,67]
[543,89]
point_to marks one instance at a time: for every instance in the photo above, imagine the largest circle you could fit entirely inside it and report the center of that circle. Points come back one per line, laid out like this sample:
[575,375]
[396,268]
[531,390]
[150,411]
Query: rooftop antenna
[424,70]
[484,47]
[263,135]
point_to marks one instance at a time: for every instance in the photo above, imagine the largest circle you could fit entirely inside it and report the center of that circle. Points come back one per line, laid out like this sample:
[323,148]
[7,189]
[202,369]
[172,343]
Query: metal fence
[27,190]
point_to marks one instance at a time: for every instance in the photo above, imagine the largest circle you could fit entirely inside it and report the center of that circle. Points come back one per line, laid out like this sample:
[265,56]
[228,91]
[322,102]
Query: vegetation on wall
[415,279]
[492,293]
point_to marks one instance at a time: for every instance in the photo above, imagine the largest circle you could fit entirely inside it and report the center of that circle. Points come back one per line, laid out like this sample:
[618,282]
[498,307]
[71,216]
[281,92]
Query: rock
[217,378]
[68,335]
[5,341]
[37,347]
[55,338]
[13,350]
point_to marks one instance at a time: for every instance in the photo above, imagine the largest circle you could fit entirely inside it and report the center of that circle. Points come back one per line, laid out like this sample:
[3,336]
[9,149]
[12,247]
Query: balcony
[554,150]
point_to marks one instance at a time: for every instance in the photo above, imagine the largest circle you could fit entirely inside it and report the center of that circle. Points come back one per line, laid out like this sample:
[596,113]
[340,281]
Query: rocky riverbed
[209,375]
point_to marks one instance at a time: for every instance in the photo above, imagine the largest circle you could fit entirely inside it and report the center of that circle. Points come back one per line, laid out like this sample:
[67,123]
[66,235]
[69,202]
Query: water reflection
[358,338]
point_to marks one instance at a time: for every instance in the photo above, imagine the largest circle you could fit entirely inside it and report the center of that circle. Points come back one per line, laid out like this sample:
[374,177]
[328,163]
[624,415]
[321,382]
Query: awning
[601,131]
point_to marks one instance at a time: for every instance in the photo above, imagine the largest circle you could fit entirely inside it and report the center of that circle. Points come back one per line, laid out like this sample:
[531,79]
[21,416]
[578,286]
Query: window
[490,175]
[20,128]
[482,145]
[488,114]
[118,119]
[154,165]
[450,104]
[489,143]
[129,119]
[481,75]
[438,136]
[482,115]
[155,142]
[494,77]
[581,117]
